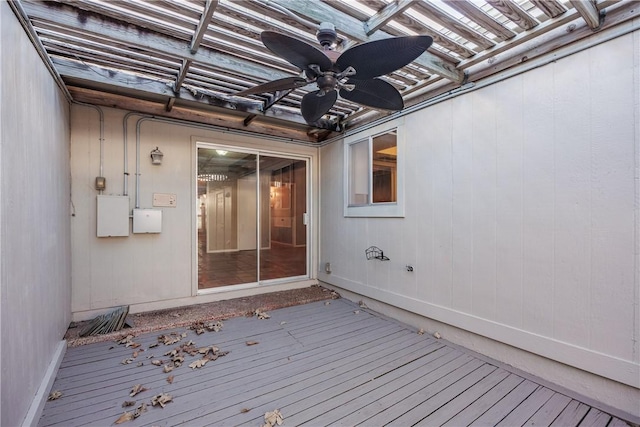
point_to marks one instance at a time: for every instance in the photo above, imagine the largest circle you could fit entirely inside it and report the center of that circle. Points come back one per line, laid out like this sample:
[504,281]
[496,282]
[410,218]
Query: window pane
[385,168]
[359,173]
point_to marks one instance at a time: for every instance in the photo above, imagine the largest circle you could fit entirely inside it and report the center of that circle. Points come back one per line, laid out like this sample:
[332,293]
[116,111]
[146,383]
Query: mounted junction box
[112,219]
[147,221]
[164,200]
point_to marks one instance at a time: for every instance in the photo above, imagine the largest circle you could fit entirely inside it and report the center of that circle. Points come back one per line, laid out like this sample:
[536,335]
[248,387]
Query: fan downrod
[326,35]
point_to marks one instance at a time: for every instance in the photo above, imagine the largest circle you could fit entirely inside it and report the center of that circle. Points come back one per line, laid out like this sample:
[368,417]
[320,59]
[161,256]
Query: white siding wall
[35,267]
[521,215]
[146,271]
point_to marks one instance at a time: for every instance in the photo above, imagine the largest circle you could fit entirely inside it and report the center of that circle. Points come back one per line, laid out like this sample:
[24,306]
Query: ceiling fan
[353,73]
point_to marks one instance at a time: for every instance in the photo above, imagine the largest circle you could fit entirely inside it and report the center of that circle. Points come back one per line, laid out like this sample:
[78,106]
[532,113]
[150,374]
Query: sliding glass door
[251,224]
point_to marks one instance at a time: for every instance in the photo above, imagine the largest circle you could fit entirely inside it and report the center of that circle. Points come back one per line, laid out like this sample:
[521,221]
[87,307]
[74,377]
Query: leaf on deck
[161,399]
[273,418]
[138,388]
[55,395]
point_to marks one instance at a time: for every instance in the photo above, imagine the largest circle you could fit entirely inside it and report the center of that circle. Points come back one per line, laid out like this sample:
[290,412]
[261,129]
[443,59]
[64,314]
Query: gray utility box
[147,221]
[112,219]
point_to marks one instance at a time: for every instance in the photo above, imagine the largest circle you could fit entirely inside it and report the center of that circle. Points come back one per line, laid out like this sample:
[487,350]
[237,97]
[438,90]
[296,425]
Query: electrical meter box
[147,221]
[112,219]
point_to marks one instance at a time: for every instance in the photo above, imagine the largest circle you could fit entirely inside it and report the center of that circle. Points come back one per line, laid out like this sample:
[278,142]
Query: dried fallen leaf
[135,354]
[161,399]
[283,323]
[327,303]
[356,312]
[262,315]
[170,379]
[198,363]
[421,331]
[244,410]
[140,409]
[167,368]
[127,361]
[437,335]
[252,342]
[362,304]
[127,416]
[273,418]
[154,345]
[171,338]
[55,395]
[156,362]
[214,326]
[127,403]
[138,388]
[126,339]
[140,364]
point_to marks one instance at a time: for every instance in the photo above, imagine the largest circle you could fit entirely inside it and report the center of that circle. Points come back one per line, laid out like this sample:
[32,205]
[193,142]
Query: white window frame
[393,209]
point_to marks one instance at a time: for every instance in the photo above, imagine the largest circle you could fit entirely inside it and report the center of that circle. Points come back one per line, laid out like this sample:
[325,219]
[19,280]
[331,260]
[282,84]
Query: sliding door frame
[310,240]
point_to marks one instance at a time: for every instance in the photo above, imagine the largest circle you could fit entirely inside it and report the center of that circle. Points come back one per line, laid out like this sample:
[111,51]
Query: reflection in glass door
[286,207]
[245,199]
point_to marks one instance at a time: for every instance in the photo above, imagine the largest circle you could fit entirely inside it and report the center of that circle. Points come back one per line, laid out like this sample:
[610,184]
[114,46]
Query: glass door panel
[227,218]
[283,209]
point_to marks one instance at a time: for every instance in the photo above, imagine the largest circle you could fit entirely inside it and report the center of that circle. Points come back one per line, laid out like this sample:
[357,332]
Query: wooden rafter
[115,82]
[151,42]
[478,16]
[589,12]
[182,74]
[515,13]
[453,24]
[551,8]
[201,28]
[385,15]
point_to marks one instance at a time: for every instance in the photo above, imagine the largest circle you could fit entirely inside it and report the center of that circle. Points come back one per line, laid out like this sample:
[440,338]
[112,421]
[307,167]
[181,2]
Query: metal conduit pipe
[125,184]
[101,113]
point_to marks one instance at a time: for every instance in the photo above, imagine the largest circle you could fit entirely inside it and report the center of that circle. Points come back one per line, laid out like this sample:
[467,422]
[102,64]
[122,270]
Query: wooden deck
[319,364]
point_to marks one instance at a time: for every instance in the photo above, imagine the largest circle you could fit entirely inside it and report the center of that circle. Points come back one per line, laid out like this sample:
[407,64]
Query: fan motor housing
[327,81]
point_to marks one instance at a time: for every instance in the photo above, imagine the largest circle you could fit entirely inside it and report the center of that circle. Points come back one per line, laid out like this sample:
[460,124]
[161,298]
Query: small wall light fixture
[156,156]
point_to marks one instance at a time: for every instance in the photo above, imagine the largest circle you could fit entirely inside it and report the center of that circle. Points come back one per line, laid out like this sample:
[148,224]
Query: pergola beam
[146,40]
[589,12]
[385,15]
[515,13]
[124,83]
[202,26]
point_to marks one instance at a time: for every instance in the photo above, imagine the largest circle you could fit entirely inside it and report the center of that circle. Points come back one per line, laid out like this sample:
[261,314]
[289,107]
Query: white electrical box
[147,221]
[112,219]
[164,200]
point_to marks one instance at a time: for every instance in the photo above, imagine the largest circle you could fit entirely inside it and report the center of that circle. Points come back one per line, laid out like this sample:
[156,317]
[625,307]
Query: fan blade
[273,86]
[295,51]
[374,93]
[376,58]
[315,106]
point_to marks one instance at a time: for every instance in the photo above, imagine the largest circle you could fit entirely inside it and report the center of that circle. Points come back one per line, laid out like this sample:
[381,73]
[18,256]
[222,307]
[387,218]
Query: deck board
[319,364]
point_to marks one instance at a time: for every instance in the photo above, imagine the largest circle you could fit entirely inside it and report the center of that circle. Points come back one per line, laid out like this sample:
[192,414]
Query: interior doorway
[252,218]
